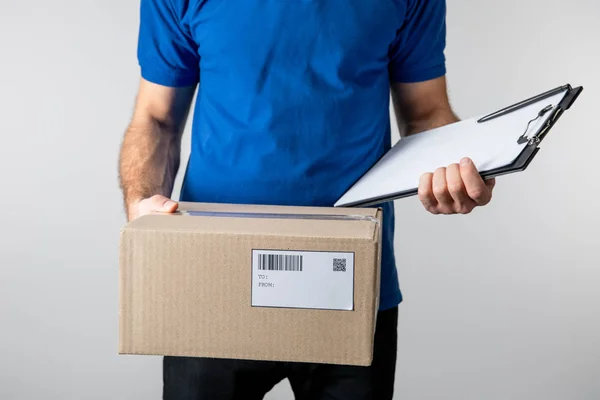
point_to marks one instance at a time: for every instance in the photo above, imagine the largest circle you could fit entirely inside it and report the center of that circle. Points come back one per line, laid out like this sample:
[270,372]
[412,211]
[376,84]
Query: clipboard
[503,142]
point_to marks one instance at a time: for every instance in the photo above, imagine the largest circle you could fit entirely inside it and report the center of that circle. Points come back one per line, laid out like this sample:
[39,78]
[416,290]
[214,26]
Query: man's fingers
[455,189]
[426,193]
[150,205]
[476,187]
[163,204]
[440,190]
[462,202]
[158,203]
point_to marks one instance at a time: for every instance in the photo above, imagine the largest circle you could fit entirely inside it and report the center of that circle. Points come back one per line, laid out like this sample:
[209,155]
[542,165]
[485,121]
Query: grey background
[501,304]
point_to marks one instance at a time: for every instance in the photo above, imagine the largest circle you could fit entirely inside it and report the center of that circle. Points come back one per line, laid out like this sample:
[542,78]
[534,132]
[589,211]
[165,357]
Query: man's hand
[457,189]
[151,205]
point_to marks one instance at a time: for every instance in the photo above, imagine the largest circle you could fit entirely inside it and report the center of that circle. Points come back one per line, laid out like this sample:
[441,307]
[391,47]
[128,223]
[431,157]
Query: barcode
[279,262]
[339,265]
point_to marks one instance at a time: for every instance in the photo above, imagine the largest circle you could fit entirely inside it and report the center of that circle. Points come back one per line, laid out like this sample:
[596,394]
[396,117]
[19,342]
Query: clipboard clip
[565,103]
[534,139]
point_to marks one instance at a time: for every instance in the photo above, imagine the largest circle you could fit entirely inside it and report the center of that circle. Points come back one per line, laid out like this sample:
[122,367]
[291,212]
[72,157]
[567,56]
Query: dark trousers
[216,379]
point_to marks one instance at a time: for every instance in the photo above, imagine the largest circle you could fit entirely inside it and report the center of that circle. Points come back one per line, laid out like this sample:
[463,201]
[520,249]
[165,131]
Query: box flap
[345,223]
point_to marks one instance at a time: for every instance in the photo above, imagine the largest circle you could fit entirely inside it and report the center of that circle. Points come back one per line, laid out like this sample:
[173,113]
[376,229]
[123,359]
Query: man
[292,108]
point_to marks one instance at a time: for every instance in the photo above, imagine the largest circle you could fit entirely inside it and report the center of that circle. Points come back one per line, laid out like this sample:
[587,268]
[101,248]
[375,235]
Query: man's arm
[452,189]
[422,106]
[150,153]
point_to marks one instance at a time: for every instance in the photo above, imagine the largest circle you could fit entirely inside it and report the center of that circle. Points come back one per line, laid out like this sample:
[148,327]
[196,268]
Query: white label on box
[303,279]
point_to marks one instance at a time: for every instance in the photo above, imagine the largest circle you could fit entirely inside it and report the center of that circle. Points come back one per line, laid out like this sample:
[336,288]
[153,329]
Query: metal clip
[534,139]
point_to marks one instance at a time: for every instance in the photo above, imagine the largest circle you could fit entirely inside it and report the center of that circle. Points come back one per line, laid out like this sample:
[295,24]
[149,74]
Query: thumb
[162,204]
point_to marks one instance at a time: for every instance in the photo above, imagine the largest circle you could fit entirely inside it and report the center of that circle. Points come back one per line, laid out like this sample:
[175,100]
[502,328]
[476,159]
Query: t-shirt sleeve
[417,53]
[166,52]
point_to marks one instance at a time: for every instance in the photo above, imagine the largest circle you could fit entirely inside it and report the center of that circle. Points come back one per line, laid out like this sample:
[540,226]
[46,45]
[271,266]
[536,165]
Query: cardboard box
[297,284]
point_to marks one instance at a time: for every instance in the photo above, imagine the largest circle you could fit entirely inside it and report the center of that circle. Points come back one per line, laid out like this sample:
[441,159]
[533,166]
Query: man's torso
[292,105]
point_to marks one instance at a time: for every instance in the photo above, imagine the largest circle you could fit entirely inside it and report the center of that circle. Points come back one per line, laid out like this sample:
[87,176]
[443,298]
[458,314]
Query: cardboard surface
[186,283]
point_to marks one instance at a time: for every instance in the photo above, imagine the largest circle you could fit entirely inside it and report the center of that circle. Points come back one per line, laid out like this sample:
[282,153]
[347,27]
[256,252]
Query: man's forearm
[149,161]
[422,106]
[434,119]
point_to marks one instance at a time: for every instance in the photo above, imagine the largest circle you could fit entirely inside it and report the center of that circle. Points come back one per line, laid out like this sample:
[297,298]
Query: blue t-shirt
[293,98]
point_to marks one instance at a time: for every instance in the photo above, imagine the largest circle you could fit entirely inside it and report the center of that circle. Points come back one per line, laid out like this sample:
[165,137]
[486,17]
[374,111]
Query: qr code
[339,265]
